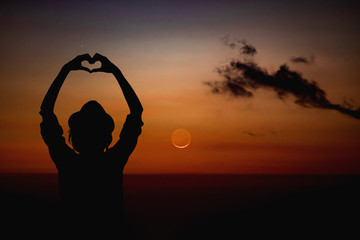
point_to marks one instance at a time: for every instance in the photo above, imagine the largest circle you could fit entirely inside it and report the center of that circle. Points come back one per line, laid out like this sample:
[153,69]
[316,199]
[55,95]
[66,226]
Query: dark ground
[200,206]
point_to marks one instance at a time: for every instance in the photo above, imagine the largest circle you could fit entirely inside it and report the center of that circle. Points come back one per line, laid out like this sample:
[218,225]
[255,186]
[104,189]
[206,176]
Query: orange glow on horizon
[167,58]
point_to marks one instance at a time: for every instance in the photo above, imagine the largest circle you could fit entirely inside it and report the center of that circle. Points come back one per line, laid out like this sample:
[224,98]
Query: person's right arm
[47,106]
[51,131]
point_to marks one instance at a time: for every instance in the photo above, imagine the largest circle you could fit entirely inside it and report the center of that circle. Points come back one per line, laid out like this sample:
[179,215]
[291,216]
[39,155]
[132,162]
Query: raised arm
[129,94]
[47,106]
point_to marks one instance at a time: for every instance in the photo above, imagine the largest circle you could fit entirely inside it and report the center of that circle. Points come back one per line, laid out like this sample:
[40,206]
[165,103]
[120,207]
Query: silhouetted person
[90,173]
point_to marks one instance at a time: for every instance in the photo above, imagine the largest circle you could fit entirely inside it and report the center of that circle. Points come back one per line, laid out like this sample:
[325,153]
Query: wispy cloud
[258,133]
[241,45]
[301,59]
[241,76]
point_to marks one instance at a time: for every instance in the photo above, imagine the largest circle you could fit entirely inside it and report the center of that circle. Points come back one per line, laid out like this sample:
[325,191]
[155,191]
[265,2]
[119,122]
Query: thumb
[85,69]
[96,70]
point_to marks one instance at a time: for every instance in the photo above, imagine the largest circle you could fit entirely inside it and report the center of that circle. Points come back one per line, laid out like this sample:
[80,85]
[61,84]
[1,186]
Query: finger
[84,57]
[97,70]
[85,69]
[98,57]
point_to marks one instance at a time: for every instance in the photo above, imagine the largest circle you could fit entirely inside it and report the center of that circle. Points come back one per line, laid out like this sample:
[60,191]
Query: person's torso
[94,180]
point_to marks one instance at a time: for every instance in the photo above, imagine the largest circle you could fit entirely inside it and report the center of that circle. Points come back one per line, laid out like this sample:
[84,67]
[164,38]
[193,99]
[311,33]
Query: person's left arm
[133,124]
[48,103]
[51,131]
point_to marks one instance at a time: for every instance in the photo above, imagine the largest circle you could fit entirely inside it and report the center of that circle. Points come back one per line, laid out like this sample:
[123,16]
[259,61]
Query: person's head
[90,129]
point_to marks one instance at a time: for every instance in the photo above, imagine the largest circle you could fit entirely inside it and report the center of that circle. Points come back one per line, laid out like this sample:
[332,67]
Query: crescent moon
[181,138]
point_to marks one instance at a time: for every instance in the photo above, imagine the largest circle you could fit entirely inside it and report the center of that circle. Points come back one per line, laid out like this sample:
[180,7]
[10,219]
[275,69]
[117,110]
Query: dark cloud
[241,45]
[228,42]
[247,49]
[305,60]
[241,77]
[258,133]
[252,134]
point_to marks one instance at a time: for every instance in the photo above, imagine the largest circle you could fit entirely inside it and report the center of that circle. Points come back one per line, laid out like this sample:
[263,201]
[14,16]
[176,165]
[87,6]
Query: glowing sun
[180,138]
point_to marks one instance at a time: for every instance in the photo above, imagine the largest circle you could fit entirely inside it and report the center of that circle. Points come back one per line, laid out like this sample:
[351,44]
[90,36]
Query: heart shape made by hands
[91,66]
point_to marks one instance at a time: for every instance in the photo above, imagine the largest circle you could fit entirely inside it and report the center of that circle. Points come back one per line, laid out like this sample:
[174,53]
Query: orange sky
[166,57]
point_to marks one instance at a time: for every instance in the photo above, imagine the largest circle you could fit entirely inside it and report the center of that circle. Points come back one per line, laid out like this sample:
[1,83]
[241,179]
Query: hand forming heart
[91,65]
[77,64]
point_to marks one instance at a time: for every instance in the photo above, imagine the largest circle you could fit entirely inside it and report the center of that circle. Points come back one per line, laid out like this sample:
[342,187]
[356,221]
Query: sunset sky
[167,51]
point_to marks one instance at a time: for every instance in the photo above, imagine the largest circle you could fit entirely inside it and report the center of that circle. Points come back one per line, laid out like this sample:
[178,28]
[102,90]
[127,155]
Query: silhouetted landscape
[198,206]
[252,92]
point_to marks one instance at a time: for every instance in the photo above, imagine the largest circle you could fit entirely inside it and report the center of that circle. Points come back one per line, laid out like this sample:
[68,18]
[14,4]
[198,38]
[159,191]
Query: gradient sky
[166,51]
